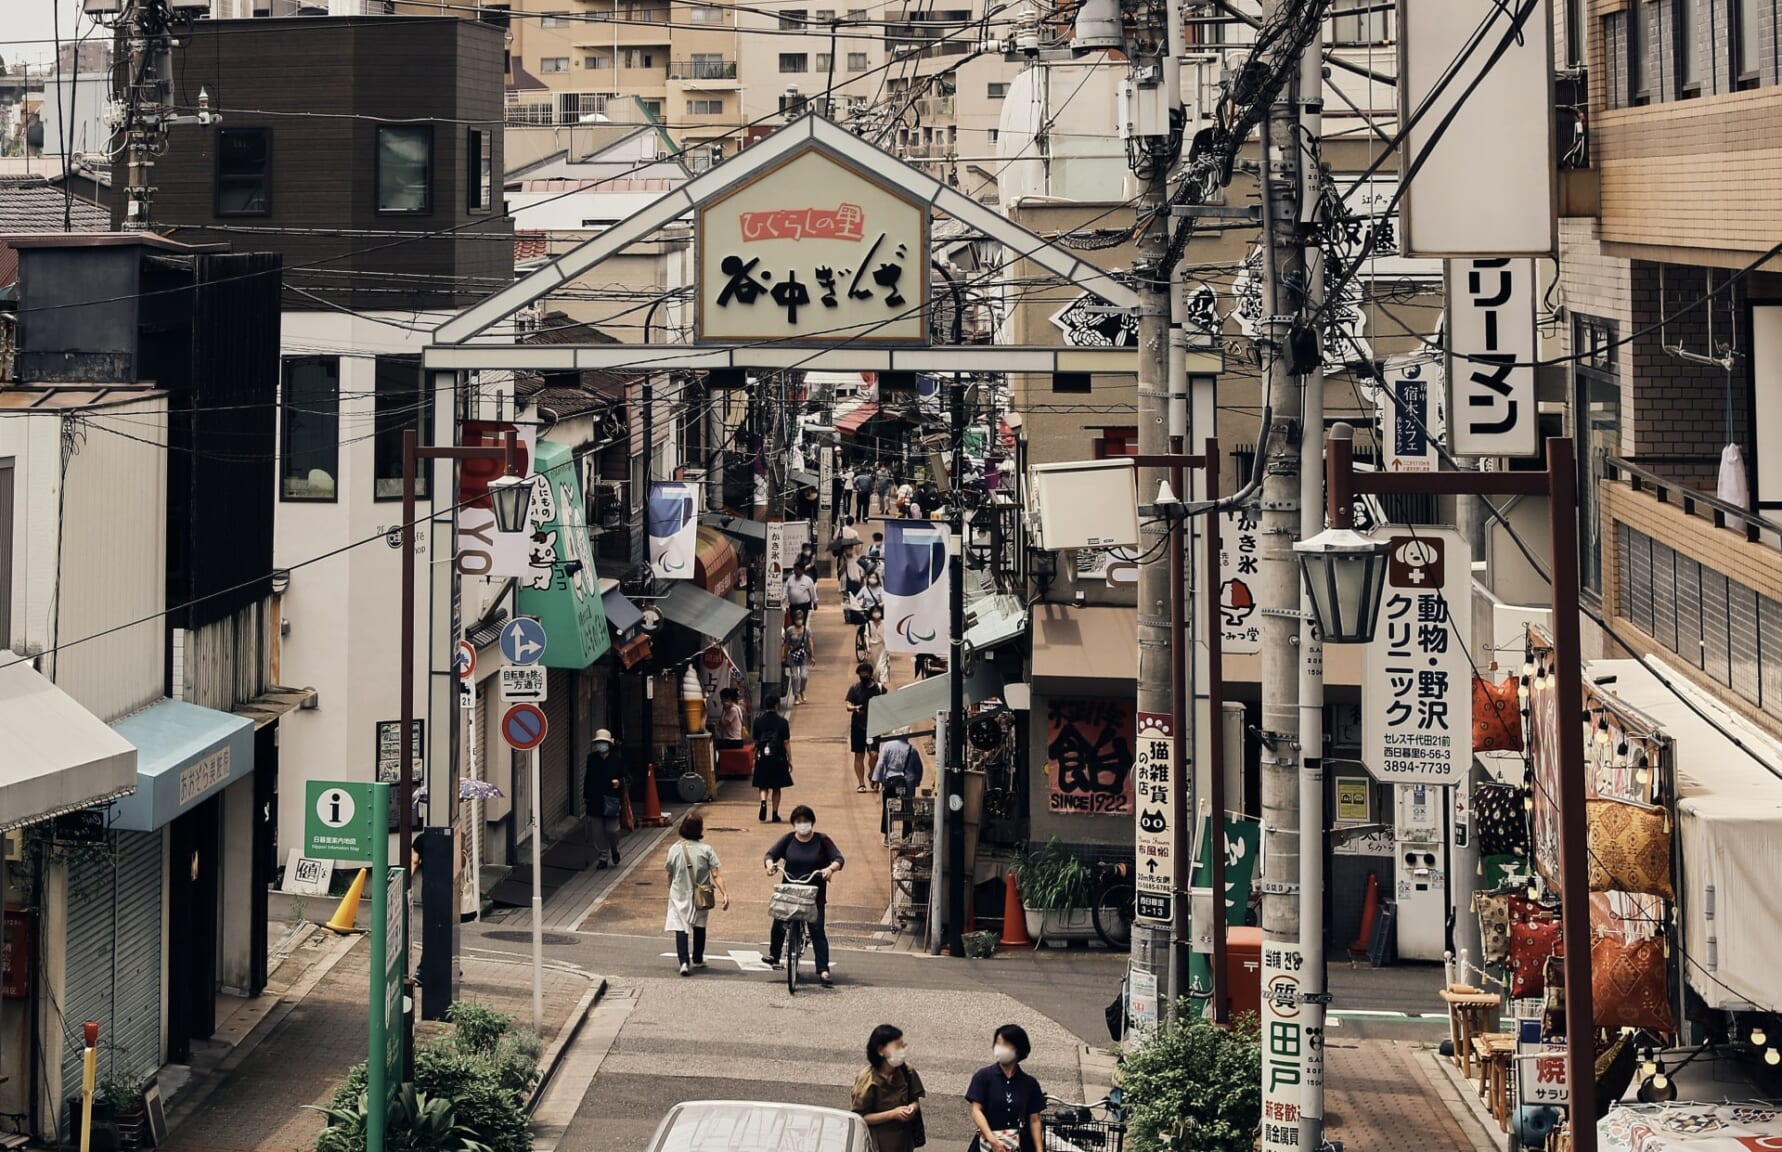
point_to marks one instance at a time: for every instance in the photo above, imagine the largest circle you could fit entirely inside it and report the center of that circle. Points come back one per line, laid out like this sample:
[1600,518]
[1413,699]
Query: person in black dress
[603,786]
[1005,1101]
[773,756]
[805,852]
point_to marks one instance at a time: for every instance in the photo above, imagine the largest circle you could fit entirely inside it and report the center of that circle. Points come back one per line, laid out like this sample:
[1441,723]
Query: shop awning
[739,528]
[917,703]
[993,621]
[622,616]
[59,757]
[269,706]
[851,424]
[713,617]
[1729,822]
[1071,643]
[714,563]
[184,754]
[803,476]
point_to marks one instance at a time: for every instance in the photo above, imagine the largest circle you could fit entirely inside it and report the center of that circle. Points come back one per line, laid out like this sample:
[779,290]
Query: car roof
[758,1126]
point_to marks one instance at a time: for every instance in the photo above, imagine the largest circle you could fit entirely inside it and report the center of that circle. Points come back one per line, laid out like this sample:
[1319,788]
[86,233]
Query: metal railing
[702,70]
[1753,526]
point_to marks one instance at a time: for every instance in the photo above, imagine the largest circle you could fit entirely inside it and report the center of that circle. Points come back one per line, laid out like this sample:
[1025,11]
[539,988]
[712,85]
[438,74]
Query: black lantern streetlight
[1345,572]
[510,495]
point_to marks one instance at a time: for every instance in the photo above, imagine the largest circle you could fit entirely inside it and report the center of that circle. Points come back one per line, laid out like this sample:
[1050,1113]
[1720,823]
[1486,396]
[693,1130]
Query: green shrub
[415,1122]
[479,1027]
[1192,1086]
[1054,877]
[485,1091]
[517,1055]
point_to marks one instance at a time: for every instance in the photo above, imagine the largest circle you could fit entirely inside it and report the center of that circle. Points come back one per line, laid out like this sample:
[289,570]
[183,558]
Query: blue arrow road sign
[523,640]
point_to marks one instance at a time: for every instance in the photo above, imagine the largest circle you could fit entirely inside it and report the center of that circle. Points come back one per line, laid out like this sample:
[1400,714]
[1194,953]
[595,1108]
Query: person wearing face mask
[888,1093]
[869,646]
[1005,1101]
[805,852]
[860,694]
[603,786]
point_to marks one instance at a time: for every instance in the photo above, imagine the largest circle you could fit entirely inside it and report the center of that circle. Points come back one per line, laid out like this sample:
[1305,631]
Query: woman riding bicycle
[805,852]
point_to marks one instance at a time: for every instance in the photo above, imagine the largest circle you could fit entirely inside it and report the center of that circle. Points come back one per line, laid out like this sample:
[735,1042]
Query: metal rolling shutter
[555,770]
[113,966]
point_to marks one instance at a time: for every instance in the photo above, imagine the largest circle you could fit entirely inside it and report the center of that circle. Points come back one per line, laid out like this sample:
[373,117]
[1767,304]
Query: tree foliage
[1192,1086]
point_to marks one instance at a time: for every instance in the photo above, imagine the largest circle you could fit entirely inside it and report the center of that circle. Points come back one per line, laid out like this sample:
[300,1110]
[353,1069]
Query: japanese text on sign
[1540,1066]
[1154,792]
[1418,685]
[845,222]
[1292,1053]
[1491,351]
[1240,626]
[1089,756]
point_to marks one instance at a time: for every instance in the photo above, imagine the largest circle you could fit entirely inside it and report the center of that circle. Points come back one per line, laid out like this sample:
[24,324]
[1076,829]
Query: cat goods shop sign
[1417,695]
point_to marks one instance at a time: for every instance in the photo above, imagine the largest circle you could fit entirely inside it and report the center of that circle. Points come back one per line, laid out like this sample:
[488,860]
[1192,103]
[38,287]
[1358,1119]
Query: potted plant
[122,1100]
[1055,885]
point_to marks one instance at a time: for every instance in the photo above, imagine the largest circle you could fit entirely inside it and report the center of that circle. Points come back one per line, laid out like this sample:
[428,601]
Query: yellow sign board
[1354,799]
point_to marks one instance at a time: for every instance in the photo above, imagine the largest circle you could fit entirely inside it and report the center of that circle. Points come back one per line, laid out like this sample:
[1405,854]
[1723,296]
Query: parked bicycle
[1111,901]
[794,903]
[1076,1127]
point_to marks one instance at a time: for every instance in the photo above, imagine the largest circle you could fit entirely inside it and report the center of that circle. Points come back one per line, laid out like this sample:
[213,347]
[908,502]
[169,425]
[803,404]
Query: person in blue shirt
[1005,1101]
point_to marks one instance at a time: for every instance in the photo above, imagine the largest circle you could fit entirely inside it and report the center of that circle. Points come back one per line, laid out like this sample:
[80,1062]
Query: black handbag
[918,1126]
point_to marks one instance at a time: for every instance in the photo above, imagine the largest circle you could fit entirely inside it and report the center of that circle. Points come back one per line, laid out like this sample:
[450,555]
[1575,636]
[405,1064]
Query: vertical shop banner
[1240,626]
[673,515]
[1417,696]
[1292,1054]
[916,589]
[776,563]
[1089,756]
[1491,353]
[562,589]
[826,477]
[1243,854]
[479,549]
[1410,412]
[1154,791]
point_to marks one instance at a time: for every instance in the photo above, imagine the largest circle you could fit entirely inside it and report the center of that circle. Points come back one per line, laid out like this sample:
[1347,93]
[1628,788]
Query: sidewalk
[301,1049]
[1381,1096]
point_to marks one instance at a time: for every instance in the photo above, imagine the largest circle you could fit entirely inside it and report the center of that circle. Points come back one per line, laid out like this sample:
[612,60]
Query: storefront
[1081,730]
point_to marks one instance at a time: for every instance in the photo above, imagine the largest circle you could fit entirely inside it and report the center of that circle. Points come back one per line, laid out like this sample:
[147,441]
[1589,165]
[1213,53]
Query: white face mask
[897,1056]
[804,829]
[1003,1053]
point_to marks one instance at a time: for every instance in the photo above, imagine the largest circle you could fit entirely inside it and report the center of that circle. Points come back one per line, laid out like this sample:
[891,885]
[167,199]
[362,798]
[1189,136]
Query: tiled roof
[33,204]
[529,245]
[597,386]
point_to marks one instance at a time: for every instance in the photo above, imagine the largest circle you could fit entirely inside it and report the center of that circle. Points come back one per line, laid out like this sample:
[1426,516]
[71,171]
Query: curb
[566,1035]
[1457,1096]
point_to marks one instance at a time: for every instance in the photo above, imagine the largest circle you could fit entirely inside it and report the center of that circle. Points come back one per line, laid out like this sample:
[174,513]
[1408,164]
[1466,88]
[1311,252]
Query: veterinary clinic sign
[813,250]
[1417,695]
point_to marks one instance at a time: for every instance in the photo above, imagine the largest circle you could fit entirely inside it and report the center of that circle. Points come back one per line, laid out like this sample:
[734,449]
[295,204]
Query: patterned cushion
[1494,926]
[1630,848]
[1497,716]
[1502,821]
[1628,986]
[1533,940]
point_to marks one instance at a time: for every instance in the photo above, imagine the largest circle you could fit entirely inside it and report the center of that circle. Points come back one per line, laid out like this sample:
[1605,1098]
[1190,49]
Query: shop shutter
[113,966]
[1742,634]
[556,769]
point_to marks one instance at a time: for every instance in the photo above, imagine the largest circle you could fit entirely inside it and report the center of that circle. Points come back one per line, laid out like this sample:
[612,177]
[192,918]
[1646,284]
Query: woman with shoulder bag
[695,887]
[888,1093]
[773,757]
[1006,1102]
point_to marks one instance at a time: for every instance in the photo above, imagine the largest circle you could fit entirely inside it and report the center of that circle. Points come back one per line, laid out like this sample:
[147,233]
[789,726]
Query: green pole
[376,1062]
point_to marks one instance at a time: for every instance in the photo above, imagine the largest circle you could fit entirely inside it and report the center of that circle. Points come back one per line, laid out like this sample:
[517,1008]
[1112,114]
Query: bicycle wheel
[1113,913]
[794,952]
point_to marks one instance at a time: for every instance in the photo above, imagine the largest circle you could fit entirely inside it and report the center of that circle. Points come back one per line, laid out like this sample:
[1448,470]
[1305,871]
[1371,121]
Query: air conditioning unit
[14,846]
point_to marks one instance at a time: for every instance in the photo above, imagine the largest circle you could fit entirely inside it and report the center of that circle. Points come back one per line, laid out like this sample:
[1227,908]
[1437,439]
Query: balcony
[933,108]
[1695,579]
[697,70]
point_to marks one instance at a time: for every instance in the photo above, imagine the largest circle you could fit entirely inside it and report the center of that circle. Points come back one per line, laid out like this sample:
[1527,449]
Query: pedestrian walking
[805,852]
[888,1093]
[897,772]
[603,789]
[799,656]
[881,484]
[862,487]
[847,567]
[728,732]
[773,757]
[870,647]
[695,887]
[801,589]
[905,494]
[1005,1101]
[860,694]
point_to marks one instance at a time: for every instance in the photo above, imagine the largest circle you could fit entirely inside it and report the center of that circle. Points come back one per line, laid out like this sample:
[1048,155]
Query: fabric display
[1630,848]
[1534,939]
[1501,819]
[1505,871]
[1494,926]
[1688,1126]
[1629,986]
[1497,716]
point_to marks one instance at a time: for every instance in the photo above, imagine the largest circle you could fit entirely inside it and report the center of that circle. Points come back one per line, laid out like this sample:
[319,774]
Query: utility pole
[956,878]
[147,90]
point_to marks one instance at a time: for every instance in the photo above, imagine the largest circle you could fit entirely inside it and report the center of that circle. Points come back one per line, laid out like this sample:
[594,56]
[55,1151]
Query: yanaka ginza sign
[813,251]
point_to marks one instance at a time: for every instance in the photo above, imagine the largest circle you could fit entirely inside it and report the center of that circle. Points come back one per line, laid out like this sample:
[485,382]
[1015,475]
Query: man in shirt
[881,484]
[863,483]
[898,773]
[860,694]
[801,591]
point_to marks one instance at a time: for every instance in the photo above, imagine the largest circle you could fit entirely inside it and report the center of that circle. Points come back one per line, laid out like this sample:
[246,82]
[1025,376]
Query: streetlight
[1345,572]
[1345,603]
[509,495]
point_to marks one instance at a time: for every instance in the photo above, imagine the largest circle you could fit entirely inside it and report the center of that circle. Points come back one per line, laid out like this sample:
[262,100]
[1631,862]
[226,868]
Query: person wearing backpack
[695,887]
[773,757]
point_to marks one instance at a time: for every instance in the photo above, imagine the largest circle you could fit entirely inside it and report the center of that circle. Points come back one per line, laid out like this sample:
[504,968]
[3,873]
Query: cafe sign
[813,250]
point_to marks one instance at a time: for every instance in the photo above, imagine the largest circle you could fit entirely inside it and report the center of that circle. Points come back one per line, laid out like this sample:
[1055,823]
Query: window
[1075,383]
[701,14]
[596,62]
[710,66]
[6,519]
[792,19]
[244,171]
[1747,42]
[636,58]
[1599,434]
[405,169]
[636,14]
[997,91]
[548,64]
[403,401]
[824,16]
[794,62]
[1574,33]
[653,107]
[479,168]
[705,107]
[309,419]
[994,135]
[825,62]
[554,20]
[1360,22]
[856,15]
[1689,45]
[856,61]
[495,15]
[1637,91]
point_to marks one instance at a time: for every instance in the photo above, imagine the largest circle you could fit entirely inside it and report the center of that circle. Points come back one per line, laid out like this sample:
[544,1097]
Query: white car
[758,1126]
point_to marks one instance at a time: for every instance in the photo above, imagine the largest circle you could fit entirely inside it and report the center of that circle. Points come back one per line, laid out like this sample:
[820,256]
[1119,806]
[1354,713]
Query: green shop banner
[561,588]
[1243,846]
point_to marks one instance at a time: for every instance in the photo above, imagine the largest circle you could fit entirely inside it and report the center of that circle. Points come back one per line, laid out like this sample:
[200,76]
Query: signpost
[523,640]
[335,825]
[1153,792]
[1409,413]
[1492,348]
[1292,1054]
[1417,728]
[389,750]
[776,563]
[523,726]
[1240,628]
[527,683]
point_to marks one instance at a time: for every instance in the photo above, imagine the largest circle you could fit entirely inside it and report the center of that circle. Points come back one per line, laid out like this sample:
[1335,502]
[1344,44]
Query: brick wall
[1679,408]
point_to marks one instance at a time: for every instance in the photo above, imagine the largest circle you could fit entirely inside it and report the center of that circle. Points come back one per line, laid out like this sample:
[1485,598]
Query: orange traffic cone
[652,817]
[1014,917]
[348,913]
[1370,909]
[627,818]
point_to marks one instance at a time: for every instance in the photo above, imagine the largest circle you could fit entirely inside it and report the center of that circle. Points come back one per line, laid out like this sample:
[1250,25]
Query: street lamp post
[1346,581]
[510,496]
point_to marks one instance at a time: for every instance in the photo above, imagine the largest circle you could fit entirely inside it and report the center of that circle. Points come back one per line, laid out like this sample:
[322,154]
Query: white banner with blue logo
[916,615]
[673,515]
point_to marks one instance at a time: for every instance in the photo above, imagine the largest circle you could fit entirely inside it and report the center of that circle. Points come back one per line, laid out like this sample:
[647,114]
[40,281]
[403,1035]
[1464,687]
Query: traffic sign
[465,661]
[527,682]
[523,726]
[523,640]
[337,820]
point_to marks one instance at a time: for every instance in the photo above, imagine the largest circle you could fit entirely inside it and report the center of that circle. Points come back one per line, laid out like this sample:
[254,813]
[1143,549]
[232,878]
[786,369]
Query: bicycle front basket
[793,902]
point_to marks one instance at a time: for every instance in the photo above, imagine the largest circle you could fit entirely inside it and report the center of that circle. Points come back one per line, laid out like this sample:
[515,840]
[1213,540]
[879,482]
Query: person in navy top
[1005,1101]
